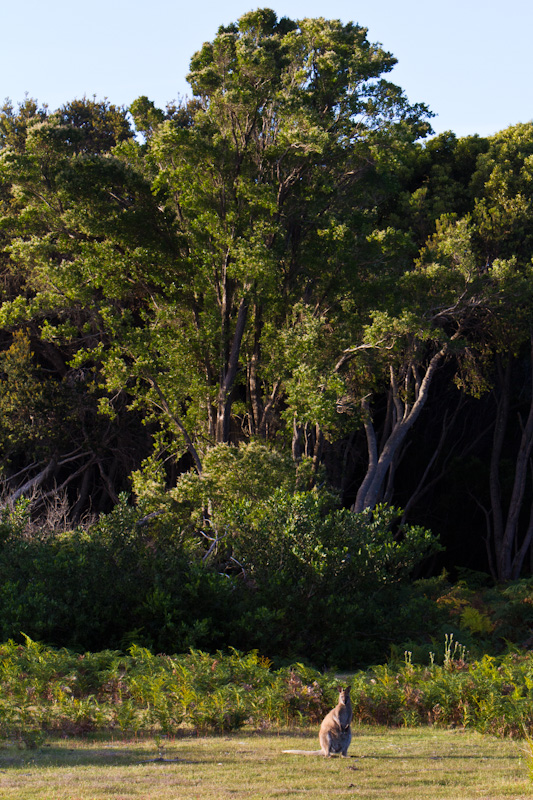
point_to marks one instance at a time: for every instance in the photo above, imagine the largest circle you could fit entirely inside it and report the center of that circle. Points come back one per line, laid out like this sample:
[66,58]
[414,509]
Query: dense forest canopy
[282,299]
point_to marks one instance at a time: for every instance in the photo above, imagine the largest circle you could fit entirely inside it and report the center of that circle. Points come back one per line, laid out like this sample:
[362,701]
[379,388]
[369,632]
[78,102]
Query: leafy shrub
[296,578]
[108,586]
[45,691]
[59,691]
[492,695]
[328,580]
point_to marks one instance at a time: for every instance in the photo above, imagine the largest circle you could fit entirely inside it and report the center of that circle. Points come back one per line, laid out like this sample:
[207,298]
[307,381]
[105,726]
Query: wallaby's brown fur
[335,732]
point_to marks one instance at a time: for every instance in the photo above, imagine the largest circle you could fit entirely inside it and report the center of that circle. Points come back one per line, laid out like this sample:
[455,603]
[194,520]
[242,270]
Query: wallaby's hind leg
[325,744]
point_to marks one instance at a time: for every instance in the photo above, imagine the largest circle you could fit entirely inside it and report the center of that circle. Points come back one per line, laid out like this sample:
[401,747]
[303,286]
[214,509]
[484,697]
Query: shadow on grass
[57,757]
[182,750]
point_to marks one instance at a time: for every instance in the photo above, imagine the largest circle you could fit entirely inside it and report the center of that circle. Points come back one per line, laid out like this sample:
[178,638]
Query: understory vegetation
[306,580]
[48,692]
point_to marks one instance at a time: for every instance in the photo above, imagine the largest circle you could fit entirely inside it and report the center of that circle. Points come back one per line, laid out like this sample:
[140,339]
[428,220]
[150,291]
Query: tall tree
[79,232]
[271,184]
[263,200]
[428,321]
[503,222]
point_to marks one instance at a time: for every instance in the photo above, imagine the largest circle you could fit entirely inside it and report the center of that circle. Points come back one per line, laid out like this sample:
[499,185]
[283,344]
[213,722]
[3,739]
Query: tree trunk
[297,447]
[228,376]
[317,452]
[509,567]
[256,402]
[34,483]
[495,520]
[380,460]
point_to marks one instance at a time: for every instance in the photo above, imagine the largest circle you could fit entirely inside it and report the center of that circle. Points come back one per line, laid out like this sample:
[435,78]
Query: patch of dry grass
[401,764]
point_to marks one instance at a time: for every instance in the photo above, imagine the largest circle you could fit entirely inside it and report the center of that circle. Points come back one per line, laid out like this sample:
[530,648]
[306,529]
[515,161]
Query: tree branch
[178,423]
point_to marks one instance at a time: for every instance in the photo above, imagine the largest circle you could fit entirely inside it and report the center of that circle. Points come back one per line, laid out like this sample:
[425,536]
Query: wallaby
[335,732]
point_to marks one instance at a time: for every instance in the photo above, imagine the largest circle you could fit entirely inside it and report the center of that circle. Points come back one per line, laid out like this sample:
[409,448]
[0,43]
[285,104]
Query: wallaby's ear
[348,688]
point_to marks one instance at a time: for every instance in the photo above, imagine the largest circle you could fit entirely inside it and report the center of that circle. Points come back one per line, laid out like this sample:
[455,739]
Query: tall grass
[43,690]
[491,695]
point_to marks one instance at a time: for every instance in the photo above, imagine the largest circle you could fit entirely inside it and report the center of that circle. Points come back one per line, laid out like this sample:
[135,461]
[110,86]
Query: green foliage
[503,186]
[301,565]
[58,691]
[29,407]
[305,537]
[146,116]
[14,125]
[111,584]
[305,354]
[199,504]
[491,695]
[159,264]
[46,691]
[14,520]
[327,576]
[91,126]
[439,176]
[292,575]
[251,472]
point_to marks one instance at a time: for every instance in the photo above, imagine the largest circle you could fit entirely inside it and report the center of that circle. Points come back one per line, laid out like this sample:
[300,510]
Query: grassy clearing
[408,763]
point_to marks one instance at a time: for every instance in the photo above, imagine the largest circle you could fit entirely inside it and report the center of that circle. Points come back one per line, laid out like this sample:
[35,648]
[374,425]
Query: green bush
[109,586]
[43,690]
[50,690]
[329,584]
[295,577]
[492,695]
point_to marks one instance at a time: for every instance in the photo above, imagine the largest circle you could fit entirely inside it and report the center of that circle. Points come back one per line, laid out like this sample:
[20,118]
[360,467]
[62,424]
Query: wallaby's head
[344,694]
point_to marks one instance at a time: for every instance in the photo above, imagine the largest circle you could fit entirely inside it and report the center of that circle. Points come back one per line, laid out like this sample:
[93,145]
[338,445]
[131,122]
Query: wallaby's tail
[304,752]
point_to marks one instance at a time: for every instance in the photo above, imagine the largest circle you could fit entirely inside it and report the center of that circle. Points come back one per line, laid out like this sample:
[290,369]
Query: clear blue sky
[469,60]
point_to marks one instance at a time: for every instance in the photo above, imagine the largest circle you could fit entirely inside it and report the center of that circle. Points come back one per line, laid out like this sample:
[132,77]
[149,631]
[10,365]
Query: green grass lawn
[414,763]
